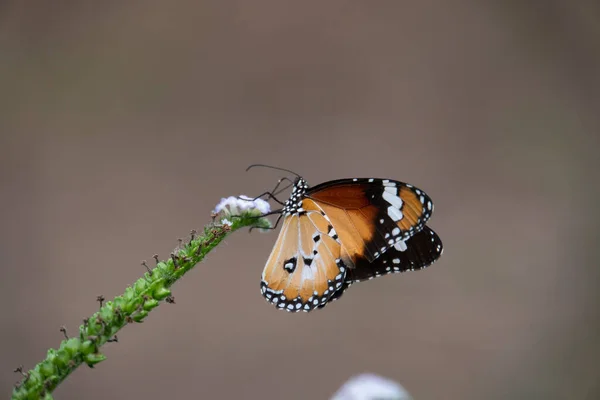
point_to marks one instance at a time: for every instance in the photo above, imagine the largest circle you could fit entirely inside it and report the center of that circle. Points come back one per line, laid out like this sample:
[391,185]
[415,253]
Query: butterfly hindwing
[338,293]
[305,267]
[418,252]
[371,215]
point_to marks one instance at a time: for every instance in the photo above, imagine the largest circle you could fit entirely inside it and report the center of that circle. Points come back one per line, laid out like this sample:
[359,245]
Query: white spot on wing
[307,273]
[392,199]
[289,266]
[391,190]
[394,213]
[400,246]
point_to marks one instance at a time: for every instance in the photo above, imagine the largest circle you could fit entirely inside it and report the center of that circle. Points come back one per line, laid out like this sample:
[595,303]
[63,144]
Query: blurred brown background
[123,123]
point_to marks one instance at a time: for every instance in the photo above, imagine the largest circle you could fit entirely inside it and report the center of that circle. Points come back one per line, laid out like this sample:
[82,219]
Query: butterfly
[342,232]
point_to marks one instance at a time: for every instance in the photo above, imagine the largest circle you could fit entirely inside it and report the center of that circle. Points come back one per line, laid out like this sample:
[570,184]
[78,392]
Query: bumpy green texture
[131,307]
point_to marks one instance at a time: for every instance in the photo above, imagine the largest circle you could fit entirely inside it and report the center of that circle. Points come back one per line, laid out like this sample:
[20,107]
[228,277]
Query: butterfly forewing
[371,215]
[305,267]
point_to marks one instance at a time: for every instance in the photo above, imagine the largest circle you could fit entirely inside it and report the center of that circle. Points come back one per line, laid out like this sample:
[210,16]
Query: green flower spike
[138,300]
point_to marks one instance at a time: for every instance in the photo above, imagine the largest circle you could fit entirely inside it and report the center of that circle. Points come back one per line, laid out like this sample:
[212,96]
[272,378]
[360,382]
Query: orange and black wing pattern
[306,265]
[346,231]
[371,215]
[418,252]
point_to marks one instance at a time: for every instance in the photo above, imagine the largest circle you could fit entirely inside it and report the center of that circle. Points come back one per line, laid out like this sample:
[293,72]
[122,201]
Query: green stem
[131,307]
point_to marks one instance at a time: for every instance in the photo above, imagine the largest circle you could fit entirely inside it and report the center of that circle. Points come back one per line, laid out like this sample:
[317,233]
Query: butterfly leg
[270,196]
[273,193]
[261,216]
[271,228]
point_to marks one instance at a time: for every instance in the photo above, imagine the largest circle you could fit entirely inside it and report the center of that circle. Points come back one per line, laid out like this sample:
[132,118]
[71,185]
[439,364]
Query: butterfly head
[293,205]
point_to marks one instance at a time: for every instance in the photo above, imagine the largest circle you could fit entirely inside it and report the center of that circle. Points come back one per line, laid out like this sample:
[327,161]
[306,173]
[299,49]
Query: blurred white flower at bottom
[371,387]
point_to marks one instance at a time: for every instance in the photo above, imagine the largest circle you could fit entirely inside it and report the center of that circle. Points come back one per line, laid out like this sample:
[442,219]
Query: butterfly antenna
[272,167]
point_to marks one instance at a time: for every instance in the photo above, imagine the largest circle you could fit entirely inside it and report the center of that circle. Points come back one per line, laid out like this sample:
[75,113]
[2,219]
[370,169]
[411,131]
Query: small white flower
[225,221]
[259,204]
[225,204]
[233,205]
[369,387]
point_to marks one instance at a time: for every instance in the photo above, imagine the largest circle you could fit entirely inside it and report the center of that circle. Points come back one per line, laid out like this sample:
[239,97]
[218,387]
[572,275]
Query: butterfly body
[342,232]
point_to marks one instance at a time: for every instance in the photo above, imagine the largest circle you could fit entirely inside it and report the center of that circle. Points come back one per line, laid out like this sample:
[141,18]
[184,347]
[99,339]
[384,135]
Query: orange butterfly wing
[305,267]
[370,215]
[346,231]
